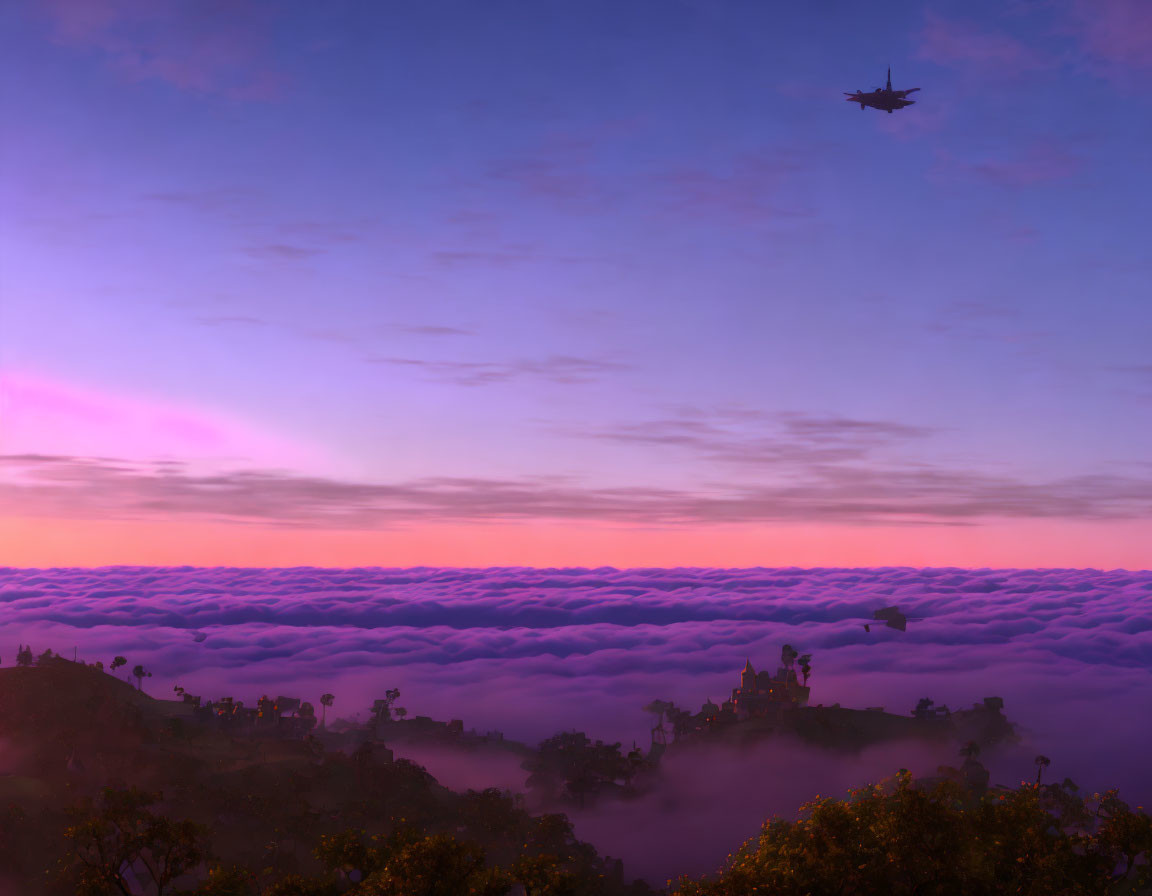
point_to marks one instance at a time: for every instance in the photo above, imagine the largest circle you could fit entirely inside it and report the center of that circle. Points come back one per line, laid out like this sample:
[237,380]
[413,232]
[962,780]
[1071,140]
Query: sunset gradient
[559,284]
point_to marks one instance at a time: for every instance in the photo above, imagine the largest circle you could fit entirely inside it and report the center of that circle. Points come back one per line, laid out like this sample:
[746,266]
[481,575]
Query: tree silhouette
[24,656]
[1042,762]
[382,709]
[435,866]
[140,675]
[805,666]
[635,762]
[120,834]
[117,663]
[570,767]
[886,837]
[347,852]
[400,711]
[326,700]
[235,881]
[788,656]
[544,875]
[659,708]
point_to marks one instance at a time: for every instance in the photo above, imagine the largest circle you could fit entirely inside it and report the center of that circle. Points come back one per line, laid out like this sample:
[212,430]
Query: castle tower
[748,678]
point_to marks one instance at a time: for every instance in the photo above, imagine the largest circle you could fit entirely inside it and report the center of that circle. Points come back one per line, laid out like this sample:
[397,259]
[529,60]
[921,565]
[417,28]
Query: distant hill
[852,730]
[264,802]
[78,727]
[58,709]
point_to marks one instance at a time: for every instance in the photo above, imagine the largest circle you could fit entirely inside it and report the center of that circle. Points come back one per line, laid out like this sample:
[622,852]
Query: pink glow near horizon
[1050,544]
[43,415]
[48,416]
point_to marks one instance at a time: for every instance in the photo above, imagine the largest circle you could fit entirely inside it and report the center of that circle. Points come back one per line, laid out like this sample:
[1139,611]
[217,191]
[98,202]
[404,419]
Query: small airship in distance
[884,98]
[891,617]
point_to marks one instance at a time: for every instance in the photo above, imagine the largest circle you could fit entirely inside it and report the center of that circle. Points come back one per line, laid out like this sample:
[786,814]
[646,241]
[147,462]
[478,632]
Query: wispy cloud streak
[107,488]
[564,369]
[198,47]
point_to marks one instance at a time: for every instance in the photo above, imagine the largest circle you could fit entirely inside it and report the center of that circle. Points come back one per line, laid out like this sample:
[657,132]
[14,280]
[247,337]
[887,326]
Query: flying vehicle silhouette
[891,617]
[883,97]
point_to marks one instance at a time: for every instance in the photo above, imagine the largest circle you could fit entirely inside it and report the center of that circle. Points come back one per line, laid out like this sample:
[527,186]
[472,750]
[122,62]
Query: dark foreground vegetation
[897,838]
[104,794]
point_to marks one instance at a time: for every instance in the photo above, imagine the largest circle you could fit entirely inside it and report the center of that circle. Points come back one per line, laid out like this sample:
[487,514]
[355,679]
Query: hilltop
[263,801]
[765,704]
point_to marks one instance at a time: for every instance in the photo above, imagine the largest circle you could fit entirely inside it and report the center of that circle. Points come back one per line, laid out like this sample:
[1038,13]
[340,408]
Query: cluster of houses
[926,709]
[283,716]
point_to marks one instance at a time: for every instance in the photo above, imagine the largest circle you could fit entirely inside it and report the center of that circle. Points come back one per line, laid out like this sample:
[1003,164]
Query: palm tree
[326,700]
[140,675]
[805,667]
[788,656]
[659,708]
[1042,762]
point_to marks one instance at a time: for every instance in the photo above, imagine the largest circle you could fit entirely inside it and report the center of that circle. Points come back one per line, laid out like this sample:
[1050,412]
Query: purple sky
[538,263]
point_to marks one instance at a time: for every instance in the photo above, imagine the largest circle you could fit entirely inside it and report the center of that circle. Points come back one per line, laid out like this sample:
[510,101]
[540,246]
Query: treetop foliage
[899,839]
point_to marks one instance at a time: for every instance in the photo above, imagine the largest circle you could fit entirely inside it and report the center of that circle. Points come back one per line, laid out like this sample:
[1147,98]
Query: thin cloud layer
[281,252]
[965,44]
[816,490]
[1116,33]
[433,330]
[1112,38]
[746,191]
[563,369]
[748,436]
[193,47]
[1043,163]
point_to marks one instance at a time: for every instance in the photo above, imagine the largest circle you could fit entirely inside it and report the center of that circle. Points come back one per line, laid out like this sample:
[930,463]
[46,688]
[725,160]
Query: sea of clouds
[533,651]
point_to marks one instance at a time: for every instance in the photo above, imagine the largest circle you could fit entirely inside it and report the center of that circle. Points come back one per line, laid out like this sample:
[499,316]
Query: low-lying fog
[530,652]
